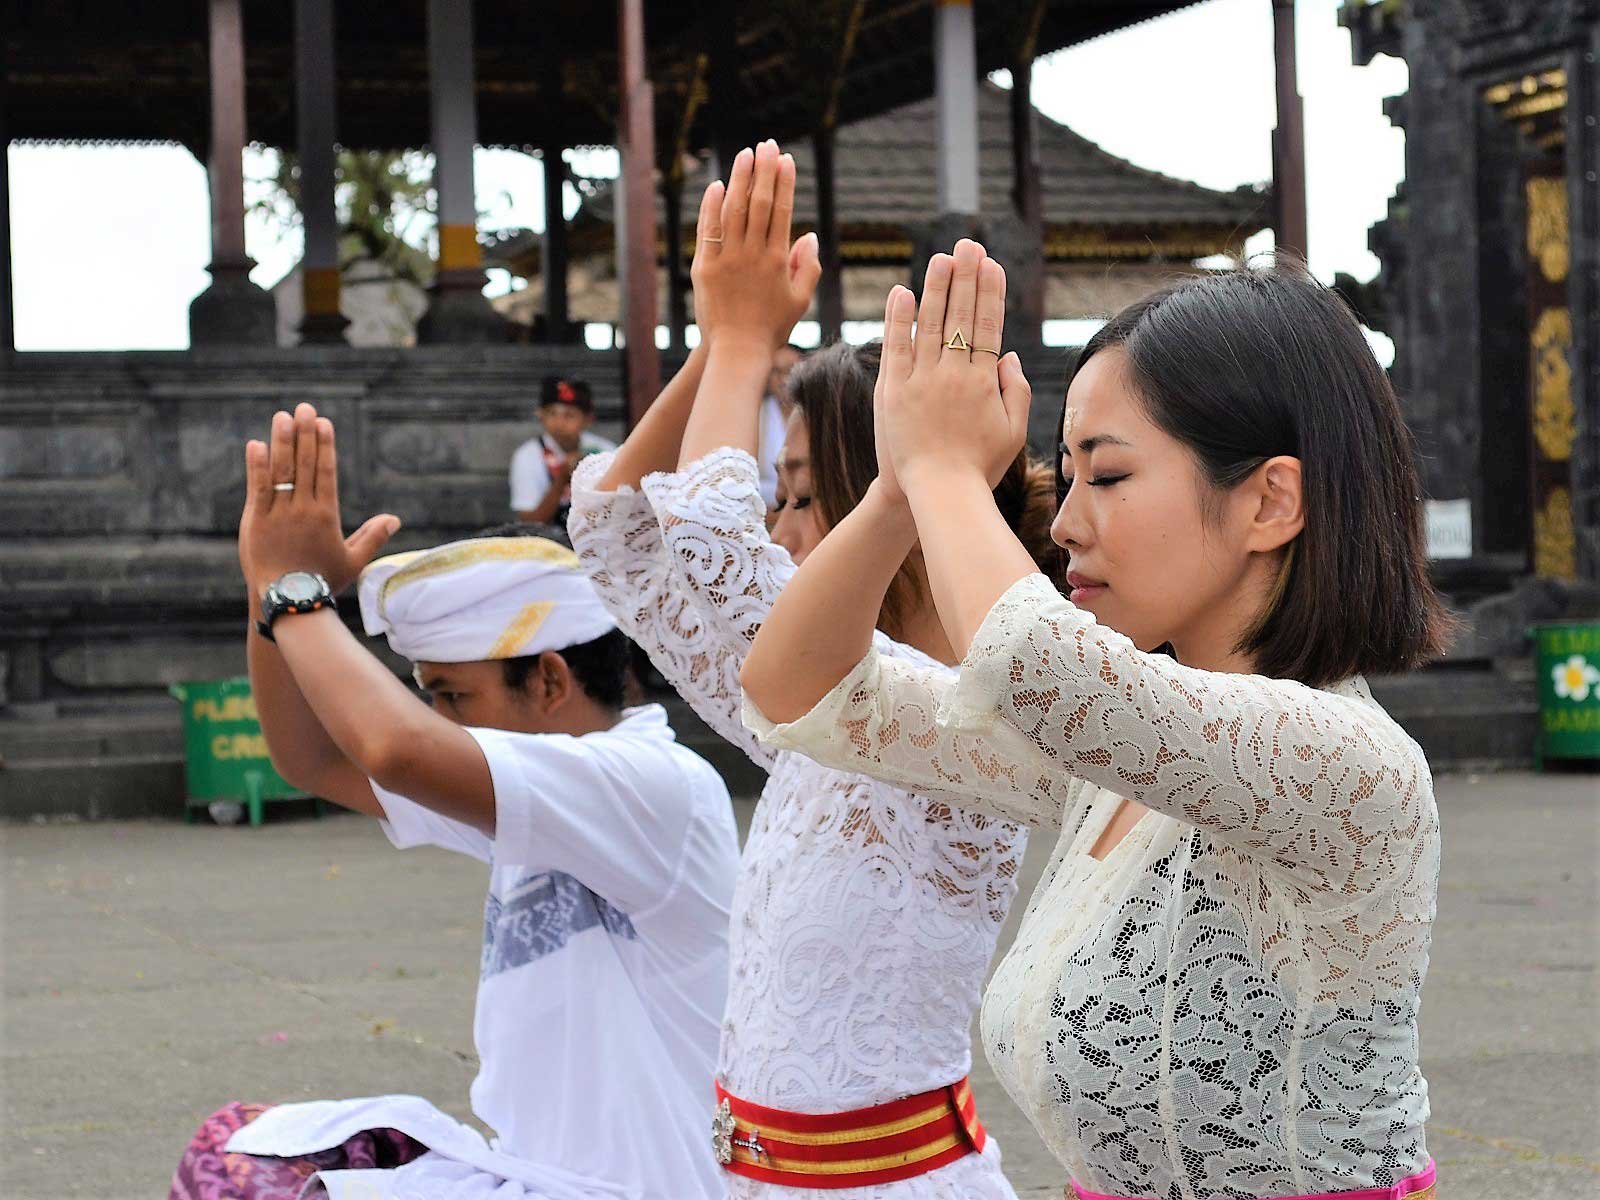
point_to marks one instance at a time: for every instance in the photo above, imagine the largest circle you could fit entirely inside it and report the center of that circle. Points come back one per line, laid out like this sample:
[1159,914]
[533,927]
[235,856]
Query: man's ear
[555,681]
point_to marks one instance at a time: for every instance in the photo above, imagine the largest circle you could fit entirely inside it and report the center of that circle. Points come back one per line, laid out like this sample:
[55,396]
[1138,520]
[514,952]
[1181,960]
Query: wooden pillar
[232,310]
[636,225]
[556,320]
[677,292]
[720,22]
[1028,200]
[457,310]
[1289,138]
[8,339]
[956,92]
[830,288]
[316,104]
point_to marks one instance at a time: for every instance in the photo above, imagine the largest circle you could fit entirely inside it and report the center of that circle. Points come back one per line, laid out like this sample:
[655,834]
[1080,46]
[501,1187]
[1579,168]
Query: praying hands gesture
[750,286]
[291,510]
[947,402]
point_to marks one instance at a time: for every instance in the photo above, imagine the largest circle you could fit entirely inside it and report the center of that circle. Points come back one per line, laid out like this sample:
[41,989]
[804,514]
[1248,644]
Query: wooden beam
[554,256]
[636,241]
[225,165]
[830,288]
[1288,139]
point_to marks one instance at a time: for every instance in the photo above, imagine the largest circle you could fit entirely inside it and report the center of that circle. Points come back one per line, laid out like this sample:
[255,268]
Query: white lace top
[1226,1006]
[865,915]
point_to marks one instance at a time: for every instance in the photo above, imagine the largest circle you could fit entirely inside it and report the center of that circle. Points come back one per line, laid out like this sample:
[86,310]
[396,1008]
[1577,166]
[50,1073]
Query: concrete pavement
[154,970]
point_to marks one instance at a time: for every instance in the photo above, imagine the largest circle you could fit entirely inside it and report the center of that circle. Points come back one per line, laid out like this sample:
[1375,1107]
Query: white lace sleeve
[1322,784]
[883,720]
[618,540]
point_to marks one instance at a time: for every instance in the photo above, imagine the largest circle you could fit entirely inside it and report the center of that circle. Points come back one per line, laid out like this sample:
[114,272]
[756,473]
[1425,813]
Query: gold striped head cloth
[484,598]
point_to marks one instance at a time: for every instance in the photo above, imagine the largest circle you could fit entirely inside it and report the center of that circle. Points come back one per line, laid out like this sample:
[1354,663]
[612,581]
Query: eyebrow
[794,464]
[1090,444]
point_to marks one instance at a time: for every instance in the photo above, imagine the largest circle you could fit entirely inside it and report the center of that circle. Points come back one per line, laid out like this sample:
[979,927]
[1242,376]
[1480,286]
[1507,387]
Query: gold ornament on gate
[1548,239]
[1555,426]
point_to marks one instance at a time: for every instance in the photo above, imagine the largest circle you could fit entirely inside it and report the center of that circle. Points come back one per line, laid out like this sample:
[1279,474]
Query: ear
[1278,501]
[555,684]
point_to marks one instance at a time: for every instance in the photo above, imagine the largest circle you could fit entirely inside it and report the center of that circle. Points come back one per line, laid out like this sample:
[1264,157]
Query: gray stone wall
[121,480]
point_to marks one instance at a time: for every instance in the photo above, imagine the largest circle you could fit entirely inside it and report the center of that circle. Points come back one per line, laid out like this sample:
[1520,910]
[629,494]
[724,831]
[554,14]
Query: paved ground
[154,970]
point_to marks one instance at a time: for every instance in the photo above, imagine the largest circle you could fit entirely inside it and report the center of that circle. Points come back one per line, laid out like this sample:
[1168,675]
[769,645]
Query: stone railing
[121,480]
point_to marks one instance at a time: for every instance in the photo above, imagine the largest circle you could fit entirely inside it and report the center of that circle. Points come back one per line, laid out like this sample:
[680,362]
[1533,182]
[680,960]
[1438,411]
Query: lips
[1084,587]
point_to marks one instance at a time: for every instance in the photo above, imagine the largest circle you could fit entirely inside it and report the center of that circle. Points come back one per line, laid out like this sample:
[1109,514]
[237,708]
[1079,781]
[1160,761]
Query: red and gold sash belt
[881,1144]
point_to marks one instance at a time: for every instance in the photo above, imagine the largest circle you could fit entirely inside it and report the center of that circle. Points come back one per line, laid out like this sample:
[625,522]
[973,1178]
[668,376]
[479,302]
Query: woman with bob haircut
[1214,992]
[865,915]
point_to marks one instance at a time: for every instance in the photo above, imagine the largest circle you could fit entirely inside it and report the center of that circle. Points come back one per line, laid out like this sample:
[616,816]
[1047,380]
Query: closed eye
[1064,484]
[797,504]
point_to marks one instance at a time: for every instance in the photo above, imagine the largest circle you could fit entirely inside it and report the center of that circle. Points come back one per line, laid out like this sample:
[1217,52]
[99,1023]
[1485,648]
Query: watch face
[299,586]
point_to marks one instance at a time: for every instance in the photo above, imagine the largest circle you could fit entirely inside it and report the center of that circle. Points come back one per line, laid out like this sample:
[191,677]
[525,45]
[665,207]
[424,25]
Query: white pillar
[316,105]
[457,312]
[956,88]
[452,102]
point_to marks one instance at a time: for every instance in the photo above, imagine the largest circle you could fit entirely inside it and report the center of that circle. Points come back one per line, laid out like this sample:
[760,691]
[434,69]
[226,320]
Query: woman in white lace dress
[1215,990]
[865,915]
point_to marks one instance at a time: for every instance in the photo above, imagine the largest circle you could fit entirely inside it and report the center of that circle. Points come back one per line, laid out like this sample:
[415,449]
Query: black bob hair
[1249,364]
[600,666]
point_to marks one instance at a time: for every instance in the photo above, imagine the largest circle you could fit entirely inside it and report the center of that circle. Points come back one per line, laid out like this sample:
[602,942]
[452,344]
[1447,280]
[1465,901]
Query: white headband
[486,598]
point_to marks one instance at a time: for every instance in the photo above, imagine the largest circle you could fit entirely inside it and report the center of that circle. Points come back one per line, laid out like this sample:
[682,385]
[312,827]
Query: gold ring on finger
[712,239]
[986,350]
[957,342]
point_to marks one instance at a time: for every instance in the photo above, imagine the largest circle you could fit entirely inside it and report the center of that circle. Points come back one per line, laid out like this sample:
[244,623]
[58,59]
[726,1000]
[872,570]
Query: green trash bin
[225,754]
[1569,689]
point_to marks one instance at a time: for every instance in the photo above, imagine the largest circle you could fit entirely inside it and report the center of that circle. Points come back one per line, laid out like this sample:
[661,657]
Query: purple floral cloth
[207,1172]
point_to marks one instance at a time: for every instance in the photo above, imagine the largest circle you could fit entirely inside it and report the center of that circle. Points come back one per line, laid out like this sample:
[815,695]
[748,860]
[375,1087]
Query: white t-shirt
[530,475]
[771,431]
[604,967]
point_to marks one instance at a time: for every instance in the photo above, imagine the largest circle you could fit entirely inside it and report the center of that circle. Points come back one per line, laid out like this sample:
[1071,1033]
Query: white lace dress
[1226,1006]
[865,915]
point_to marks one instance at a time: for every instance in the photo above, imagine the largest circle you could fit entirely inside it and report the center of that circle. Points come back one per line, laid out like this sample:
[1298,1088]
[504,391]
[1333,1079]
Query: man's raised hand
[291,512]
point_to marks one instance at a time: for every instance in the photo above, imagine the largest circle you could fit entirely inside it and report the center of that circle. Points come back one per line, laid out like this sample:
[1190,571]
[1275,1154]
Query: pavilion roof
[1096,205]
[135,70]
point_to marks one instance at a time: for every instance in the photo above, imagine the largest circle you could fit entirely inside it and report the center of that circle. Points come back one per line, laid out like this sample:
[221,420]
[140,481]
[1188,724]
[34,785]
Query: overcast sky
[109,245]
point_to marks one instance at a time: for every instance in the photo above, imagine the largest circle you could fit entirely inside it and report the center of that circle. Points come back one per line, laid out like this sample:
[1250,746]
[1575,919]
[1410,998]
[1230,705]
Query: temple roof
[1096,205]
[115,70]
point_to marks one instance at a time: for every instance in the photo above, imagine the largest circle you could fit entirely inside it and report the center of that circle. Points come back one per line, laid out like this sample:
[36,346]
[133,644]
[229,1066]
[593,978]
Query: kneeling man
[611,853]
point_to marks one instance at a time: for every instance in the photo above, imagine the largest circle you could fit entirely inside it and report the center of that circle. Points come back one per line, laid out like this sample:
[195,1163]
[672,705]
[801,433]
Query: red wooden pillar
[636,217]
[1289,138]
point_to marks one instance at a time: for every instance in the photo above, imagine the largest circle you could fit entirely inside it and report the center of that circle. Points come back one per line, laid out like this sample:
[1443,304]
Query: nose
[1067,530]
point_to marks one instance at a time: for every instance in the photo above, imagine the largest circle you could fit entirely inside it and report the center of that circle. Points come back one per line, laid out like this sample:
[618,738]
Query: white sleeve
[619,542]
[1322,784]
[613,812]
[530,478]
[409,824]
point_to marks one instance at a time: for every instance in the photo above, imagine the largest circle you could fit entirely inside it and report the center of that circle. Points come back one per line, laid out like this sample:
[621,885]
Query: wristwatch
[296,592]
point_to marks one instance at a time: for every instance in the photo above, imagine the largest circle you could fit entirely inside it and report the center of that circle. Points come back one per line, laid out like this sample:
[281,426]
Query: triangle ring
[957,342]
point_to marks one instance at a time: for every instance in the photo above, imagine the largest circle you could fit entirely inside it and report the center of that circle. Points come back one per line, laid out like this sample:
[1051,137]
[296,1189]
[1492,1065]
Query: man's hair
[600,666]
[1246,365]
[553,389]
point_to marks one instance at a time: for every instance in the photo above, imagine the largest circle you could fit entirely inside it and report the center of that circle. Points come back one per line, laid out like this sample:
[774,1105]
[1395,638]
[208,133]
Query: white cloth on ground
[865,915]
[1225,1005]
[602,979]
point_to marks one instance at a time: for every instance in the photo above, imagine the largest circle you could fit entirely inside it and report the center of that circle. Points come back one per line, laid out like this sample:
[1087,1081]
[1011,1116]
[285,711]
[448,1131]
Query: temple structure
[1490,284]
[1110,232]
[121,473]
